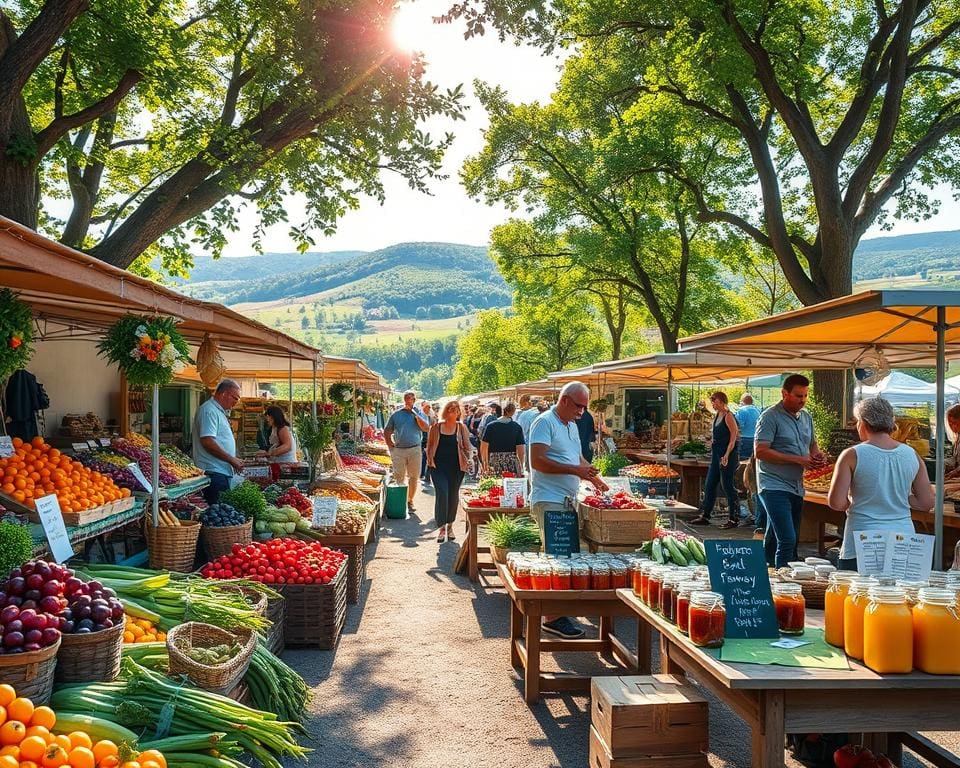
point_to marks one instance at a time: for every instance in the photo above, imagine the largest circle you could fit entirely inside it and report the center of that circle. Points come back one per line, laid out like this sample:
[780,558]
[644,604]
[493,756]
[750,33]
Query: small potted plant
[509,533]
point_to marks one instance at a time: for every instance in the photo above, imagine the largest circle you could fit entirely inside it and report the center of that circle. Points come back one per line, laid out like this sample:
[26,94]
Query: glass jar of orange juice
[888,631]
[854,605]
[839,583]
[936,632]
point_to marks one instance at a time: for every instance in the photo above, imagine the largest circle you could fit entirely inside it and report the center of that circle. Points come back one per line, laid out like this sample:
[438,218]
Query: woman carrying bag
[448,458]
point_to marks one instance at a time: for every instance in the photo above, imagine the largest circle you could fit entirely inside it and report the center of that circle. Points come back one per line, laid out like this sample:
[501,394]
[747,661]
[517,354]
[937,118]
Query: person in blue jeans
[785,447]
[724,461]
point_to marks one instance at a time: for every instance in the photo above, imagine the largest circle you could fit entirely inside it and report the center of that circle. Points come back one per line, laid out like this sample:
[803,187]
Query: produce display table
[354,547]
[776,700]
[475,517]
[529,606]
[79,534]
[178,491]
[816,512]
[693,472]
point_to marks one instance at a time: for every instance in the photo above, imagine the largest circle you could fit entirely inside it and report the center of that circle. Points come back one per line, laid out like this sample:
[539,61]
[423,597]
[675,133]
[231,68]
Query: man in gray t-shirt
[785,447]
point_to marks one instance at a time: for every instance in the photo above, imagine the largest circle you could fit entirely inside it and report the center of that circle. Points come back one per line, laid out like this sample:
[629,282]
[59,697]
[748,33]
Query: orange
[44,716]
[110,761]
[37,442]
[62,741]
[130,764]
[152,756]
[104,749]
[29,764]
[11,749]
[20,709]
[9,761]
[81,757]
[54,756]
[80,739]
[17,442]
[38,730]
[149,763]
[3,715]
[12,732]
[32,748]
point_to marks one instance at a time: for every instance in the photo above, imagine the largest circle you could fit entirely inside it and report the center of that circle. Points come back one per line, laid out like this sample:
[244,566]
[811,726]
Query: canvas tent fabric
[902,389]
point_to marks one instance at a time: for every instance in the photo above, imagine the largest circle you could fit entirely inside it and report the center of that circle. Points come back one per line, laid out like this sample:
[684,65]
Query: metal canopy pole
[290,383]
[669,418]
[313,405]
[941,421]
[155,456]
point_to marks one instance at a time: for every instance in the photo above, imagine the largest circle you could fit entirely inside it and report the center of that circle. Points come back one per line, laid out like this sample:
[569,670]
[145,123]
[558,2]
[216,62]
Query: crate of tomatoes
[310,576]
[616,519]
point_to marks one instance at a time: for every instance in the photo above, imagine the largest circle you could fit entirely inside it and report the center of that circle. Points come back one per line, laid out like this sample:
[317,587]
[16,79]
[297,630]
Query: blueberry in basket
[221,515]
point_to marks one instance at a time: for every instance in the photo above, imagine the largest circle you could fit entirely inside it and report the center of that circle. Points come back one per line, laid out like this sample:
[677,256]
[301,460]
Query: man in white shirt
[214,446]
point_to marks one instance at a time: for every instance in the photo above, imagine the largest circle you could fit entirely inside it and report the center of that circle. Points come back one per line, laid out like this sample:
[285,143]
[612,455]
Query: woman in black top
[501,445]
[448,456]
[724,460]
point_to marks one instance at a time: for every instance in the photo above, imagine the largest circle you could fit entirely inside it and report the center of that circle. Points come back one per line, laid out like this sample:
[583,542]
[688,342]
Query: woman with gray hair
[878,481]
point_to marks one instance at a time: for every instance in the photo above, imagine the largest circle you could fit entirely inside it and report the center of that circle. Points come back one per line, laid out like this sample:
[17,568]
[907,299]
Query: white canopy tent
[903,390]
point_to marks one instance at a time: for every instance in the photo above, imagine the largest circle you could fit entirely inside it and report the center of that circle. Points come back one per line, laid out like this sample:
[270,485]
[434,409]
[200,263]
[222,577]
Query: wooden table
[775,700]
[527,609]
[475,517]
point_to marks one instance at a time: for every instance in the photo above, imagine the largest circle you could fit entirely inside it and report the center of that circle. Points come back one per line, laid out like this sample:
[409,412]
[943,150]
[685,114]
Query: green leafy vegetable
[246,497]
[610,464]
[511,532]
[16,546]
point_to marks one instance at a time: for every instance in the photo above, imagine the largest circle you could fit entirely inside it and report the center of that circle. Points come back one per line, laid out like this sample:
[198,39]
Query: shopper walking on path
[877,482]
[495,412]
[448,456]
[502,447]
[214,446]
[587,429]
[402,436]
[431,418]
[747,417]
[785,447]
[724,460]
[557,467]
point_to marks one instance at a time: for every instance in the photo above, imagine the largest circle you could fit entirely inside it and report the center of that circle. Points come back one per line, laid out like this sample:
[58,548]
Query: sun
[410,27]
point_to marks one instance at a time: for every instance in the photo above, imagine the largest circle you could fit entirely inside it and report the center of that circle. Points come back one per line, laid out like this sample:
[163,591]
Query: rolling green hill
[919,254]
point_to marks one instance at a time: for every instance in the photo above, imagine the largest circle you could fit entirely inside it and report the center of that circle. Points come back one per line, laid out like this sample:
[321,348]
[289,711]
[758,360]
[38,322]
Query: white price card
[104,442]
[81,447]
[93,444]
[617,483]
[871,547]
[51,518]
[611,445]
[789,643]
[141,478]
[513,487]
[257,470]
[6,446]
[909,556]
[324,511]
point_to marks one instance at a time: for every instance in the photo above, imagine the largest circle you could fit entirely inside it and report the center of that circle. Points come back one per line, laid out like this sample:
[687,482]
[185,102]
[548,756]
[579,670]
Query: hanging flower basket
[149,350]
[16,333]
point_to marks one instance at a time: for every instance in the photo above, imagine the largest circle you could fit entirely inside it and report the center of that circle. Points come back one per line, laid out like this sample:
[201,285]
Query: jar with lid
[540,575]
[790,607]
[854,605]
[645,570]
[522,573]
[600,575]
[580,574]
[888,631]
[839,583]
[707,617]
[560,575]
[654,583]
[937,579]
[636,576]
[912,590]
[682,601]
[618,574]
[936,632]
[668,590]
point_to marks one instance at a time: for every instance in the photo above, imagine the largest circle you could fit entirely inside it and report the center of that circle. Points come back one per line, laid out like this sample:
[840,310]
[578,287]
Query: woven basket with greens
[512,533]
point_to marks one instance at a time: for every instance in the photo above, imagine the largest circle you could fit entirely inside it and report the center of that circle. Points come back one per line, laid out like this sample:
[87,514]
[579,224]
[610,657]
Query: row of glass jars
[895,626]
[579,572]
[683,597]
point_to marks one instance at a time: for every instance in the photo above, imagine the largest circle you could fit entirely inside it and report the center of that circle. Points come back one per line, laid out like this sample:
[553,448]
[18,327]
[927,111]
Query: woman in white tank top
[879,481]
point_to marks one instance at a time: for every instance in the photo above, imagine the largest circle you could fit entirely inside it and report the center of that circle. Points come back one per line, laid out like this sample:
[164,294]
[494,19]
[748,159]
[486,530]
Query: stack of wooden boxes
[653,721]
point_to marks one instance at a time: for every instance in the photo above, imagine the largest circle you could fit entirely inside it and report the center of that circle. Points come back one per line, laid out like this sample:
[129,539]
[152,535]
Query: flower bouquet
[16,333]
[147,350]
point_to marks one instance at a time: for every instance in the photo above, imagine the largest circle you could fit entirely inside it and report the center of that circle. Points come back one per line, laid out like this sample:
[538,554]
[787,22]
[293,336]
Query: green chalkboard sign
[561,533]
[738,571]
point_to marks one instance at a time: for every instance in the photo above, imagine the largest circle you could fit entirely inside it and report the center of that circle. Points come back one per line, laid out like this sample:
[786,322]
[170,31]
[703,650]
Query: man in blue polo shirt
[402,434]
[785,447]
[214,446]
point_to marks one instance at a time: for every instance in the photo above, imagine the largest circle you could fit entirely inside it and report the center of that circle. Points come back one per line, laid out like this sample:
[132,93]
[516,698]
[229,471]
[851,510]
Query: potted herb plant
[509,533]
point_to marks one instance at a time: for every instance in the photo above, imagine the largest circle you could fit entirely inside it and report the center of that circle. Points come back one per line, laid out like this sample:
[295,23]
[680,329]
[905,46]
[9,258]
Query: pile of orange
[27,740]
[141,631]
[35,469]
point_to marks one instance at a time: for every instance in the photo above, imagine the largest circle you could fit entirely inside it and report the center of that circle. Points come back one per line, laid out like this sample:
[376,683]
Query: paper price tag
[80,446]
[51,519]
[611,446]
[324,511]
[513,487]
[871,548]
[141,478]
[257,470]
[617,483]
[93,444]
[789,643]
[104,442]
[6,446]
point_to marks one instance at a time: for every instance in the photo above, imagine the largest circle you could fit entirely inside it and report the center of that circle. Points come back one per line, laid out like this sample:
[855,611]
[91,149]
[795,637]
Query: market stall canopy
[539,387]
[657,370]
[270,368]
[75,294]
[899,324]
[902,389]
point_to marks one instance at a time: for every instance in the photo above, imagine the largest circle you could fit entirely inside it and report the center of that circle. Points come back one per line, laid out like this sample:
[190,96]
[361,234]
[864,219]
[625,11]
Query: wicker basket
[314,614]
[31,674]
[220,541]
[92,657]
[219,678]
[274,637]
[173,547]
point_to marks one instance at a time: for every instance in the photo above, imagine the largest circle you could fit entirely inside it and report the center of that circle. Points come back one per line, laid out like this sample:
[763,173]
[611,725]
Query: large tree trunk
[19,190]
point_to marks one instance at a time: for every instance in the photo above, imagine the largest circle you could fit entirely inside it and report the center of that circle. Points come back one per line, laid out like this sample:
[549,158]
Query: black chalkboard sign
[561,533]
[738,571]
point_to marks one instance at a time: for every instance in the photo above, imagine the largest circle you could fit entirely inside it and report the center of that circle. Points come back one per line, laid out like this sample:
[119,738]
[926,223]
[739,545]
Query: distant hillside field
[934,257]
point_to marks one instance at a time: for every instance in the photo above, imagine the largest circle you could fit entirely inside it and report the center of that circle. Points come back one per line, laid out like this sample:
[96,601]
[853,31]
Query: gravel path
[422,676]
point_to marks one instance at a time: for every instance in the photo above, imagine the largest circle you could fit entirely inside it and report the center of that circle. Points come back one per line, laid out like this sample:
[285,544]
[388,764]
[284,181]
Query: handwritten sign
[871,548]
[258,470]
[324,511]
[738,571]
[6,446]
[561,532]
[141,478]
[51,519]
[513,487]
[617,484]
[888,553]
[104,442]
[611,446]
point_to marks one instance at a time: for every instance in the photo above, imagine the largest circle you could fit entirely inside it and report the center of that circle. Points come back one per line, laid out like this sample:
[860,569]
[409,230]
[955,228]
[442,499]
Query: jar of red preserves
[707,617]
[540,575]
[668,588]
[682,600]
[618,574]
[521,573]
[579,574]
[560,575]
[599,576]
[654,583]
[790,607]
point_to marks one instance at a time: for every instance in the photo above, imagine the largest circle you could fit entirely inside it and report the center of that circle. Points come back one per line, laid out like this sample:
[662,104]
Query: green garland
[16,333]
[149,350]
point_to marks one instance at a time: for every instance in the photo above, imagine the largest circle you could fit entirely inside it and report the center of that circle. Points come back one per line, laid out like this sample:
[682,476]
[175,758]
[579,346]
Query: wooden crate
[600,757]
[618,526]
[73,519]
[314,614]
[649,715]
[274,637]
